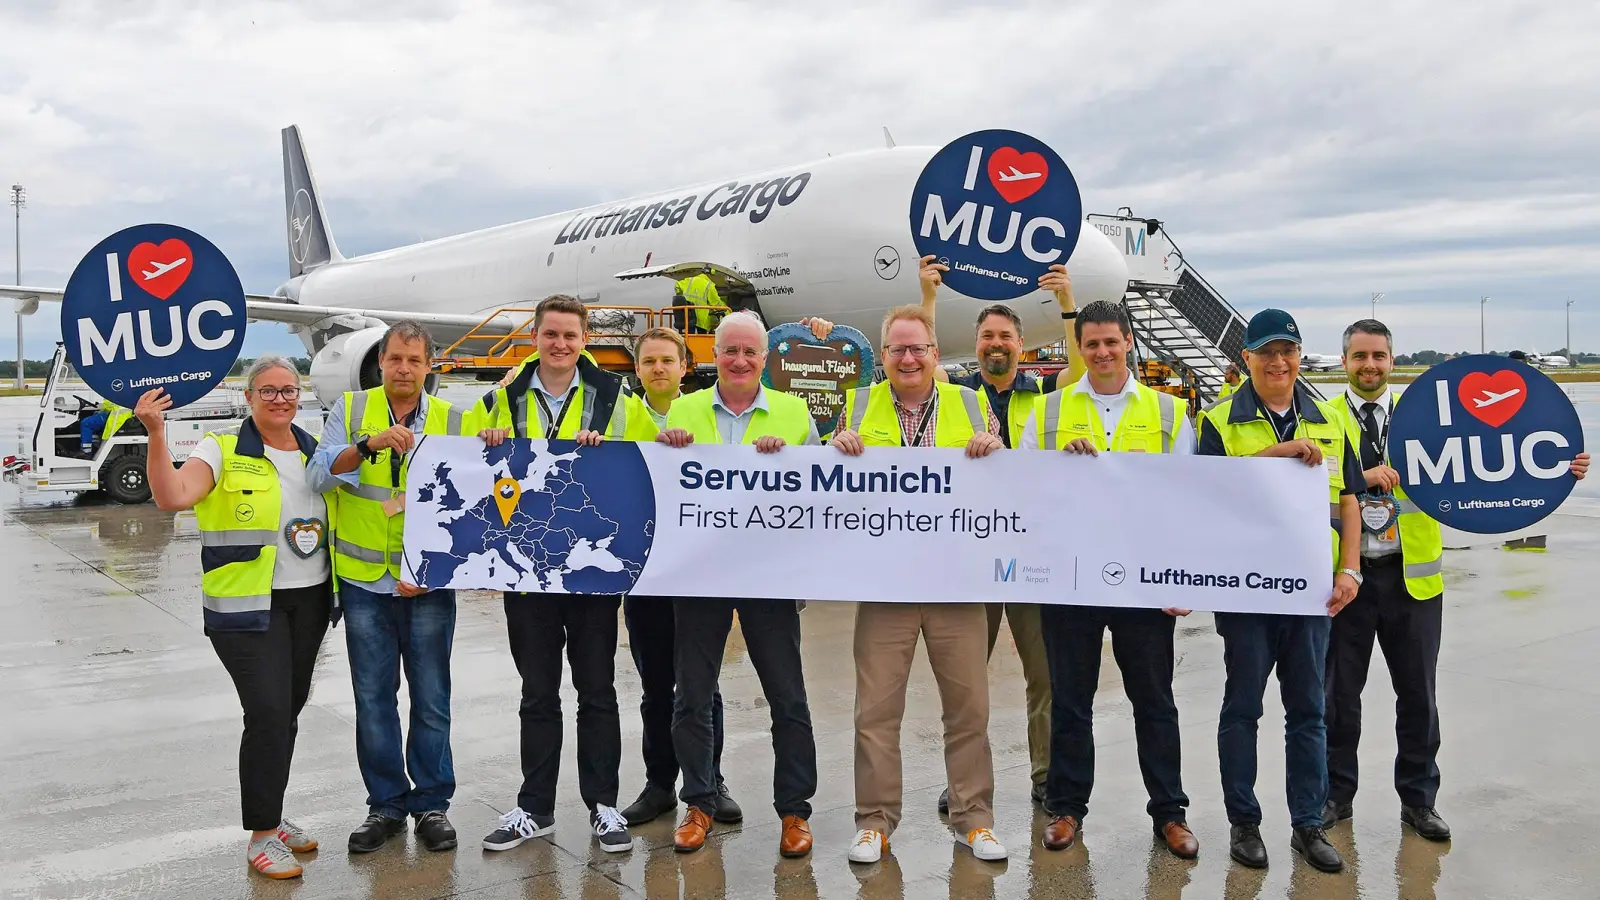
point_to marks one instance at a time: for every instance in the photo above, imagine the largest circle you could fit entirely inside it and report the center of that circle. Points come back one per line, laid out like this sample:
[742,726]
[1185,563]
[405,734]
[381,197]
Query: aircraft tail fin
[310,242]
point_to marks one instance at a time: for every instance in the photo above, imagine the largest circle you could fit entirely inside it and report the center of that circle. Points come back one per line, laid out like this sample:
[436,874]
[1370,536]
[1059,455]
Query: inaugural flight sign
[1483,443]
[999,208]
[153,306]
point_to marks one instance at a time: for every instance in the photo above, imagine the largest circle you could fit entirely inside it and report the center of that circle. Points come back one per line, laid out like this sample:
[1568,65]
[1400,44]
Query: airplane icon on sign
[1015,175]
[162,268]
[1490,398]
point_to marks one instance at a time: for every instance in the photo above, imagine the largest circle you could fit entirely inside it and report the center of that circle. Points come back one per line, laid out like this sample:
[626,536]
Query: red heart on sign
[1493,399]
[1017,176]
[160,270]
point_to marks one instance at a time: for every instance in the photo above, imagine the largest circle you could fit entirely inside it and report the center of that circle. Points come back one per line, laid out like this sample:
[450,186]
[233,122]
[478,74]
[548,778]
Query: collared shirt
[1389,541]
[1110,407]
[911,417]
[1000,401]
[660,418]
[556,401]
[319,472]
[1210,440]
[732,426]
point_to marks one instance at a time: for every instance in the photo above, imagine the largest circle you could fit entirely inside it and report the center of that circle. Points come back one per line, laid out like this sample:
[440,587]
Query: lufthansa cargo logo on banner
[1482,444]
[153,306]
[999,208]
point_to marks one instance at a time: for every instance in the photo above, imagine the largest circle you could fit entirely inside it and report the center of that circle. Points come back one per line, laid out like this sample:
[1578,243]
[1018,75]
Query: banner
[1482,444]
[153,306]
[894,524]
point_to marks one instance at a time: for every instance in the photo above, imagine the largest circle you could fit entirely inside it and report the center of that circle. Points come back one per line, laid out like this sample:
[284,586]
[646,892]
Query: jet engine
[349,362]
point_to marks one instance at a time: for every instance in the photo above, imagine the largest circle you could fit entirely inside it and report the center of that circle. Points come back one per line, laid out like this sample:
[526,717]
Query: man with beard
[1400,603]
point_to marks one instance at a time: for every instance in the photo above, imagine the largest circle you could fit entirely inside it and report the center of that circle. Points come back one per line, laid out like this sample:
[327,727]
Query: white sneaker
[271,858]
[868,847]
[983,844]
[294,838]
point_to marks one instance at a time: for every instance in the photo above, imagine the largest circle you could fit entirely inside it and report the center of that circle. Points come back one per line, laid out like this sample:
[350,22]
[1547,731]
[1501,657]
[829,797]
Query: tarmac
[121,729]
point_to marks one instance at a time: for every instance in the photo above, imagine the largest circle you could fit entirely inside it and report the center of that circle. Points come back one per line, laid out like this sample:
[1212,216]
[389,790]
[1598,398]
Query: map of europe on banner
[894,524]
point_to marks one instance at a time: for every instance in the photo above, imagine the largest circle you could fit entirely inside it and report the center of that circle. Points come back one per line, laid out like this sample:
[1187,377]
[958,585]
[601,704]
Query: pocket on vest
[212,558]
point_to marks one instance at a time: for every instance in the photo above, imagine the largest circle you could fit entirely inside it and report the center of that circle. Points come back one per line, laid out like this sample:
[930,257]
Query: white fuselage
[809,238]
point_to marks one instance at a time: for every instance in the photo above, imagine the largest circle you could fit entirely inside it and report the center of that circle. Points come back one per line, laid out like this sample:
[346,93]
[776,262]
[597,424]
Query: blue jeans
[1253,643]
[89,429]
[384,632]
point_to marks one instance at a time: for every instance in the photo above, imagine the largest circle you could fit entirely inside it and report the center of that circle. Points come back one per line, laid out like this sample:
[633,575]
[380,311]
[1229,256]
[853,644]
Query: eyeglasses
[271,394]
[736,352]
[900,351]
[1293,352]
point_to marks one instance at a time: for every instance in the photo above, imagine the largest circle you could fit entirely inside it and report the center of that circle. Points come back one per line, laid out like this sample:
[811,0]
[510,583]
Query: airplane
[1548,360]
[788,242]
[162,268]
[1321,362]
[1490,398]
[1015,175]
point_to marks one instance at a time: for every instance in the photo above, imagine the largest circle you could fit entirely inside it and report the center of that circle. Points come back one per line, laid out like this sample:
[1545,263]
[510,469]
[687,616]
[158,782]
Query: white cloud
[1302,154]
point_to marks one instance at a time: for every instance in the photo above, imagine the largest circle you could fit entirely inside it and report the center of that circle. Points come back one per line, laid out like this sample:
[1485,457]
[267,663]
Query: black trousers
[771,631]
[539,626]
[1141,642]
[1409,631]
[271,671]
[651,635]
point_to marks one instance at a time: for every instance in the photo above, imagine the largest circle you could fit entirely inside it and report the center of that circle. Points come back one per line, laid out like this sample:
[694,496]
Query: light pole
[1570,301]
[1482,302]
[19,199]
[1376,296]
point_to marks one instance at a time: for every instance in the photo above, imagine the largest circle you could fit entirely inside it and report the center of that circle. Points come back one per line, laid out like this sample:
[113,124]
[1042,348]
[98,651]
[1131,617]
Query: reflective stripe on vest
[786,416]
[1421,542]
[369,542]
[950,428]
[1051,434]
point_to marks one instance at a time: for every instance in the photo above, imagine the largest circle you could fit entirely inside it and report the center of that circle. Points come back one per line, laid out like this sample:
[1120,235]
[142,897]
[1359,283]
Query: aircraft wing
[445,327]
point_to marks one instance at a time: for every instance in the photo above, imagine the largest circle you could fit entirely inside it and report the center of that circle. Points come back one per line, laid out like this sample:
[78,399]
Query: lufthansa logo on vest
[153,306]
[1000,208]
[1483,444]
[244,512]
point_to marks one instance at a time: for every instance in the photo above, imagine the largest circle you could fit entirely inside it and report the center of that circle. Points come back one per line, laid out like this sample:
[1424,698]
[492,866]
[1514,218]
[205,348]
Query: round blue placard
[999,208]
[153,306]
[1482,444]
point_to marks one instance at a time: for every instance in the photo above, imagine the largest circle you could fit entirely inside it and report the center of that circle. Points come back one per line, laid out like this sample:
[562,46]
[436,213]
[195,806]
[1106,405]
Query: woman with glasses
[265,581]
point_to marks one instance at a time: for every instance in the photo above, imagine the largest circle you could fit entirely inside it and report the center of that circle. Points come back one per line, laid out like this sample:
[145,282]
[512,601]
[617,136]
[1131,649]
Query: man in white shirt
[1109,410]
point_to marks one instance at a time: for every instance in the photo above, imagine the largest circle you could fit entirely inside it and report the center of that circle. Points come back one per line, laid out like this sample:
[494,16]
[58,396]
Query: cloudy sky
[1302,154]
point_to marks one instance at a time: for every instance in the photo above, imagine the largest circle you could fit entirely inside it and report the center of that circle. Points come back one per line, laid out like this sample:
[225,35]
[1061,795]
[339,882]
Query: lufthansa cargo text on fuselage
[756,200]
[1254,581]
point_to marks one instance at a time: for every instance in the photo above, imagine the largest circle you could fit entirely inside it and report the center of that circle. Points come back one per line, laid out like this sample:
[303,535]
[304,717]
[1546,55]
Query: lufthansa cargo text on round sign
[153,306]
[999,208]
[1483,444]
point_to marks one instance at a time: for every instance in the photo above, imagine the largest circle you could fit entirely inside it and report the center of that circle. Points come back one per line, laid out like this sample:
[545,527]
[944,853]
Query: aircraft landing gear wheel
[124,479]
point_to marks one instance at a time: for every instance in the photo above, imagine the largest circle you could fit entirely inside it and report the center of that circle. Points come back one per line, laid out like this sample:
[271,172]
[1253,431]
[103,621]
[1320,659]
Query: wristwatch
[365,449]
[1353,574]
[1070,314]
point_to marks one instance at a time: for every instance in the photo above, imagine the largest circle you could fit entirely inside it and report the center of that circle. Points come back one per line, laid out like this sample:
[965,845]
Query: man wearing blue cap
[1272,415]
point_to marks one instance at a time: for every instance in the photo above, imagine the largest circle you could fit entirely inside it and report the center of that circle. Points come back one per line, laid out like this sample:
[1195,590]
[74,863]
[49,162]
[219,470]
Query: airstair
[1178,318]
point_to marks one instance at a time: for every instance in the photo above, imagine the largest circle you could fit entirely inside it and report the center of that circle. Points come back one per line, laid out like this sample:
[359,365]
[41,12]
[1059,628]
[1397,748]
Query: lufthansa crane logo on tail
[300,226]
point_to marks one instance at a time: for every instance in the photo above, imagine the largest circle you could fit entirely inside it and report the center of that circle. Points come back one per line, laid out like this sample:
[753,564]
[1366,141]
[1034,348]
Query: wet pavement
[121,731]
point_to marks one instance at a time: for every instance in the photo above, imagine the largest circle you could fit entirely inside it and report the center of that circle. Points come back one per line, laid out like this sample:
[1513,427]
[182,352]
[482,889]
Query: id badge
[395,505]
[1378,514]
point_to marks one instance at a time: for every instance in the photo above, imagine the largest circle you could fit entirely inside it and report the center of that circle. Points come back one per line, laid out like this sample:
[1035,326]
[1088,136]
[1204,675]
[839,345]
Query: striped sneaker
[271,858]
[296,840]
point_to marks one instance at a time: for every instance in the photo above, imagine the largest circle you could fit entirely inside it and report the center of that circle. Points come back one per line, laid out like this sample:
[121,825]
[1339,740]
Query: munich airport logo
[1007,570]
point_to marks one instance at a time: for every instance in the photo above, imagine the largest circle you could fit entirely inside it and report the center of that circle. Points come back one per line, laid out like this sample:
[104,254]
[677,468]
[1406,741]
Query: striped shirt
[912,417]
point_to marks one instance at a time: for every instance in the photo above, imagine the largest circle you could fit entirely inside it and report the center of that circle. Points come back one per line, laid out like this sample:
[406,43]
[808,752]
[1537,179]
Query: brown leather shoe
[691,835]
[1061,833]
[796,840]
[1180,840]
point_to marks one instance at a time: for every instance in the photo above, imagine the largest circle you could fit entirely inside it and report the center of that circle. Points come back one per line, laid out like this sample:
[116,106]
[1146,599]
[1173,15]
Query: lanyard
[1284,435]
[1381,443]
[927,417]
[551,424]
[396,459]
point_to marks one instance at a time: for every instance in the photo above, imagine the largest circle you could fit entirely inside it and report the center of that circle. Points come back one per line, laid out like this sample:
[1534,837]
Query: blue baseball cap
[1270,325]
